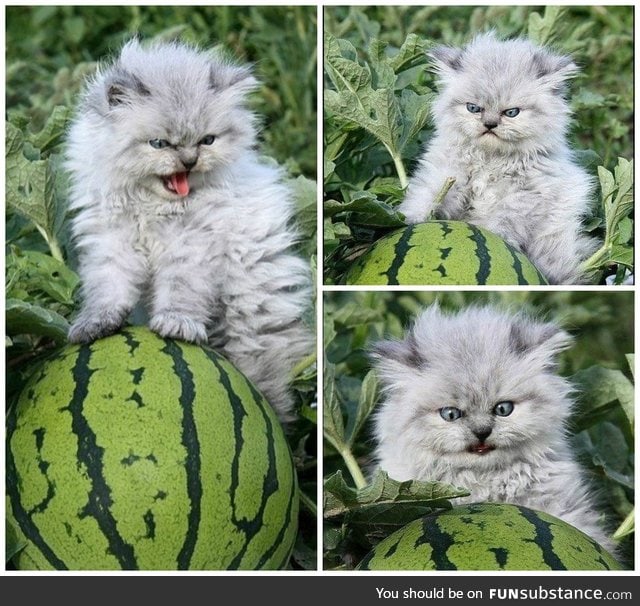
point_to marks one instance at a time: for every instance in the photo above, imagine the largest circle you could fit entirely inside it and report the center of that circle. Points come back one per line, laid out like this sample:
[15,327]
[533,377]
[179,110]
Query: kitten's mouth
[178,183]
[480,448]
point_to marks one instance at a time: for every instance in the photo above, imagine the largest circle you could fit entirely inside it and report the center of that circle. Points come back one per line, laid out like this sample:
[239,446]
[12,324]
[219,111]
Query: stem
[54,247]
[307,502]
[595,260]
[301,366]
[56,251]
[347,456]
[397,161]
[444,190]
[353,467]
[402,174]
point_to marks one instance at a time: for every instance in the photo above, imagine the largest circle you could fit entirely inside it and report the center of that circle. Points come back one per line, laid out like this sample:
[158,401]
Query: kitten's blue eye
[208,140]
[503,409]
[511,113]
[159,143]
[450,413]
[473,108]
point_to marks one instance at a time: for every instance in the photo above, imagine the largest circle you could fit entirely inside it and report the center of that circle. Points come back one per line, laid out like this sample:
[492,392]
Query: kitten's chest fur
[154,233]
[487,187]
[517,483]
[171,226]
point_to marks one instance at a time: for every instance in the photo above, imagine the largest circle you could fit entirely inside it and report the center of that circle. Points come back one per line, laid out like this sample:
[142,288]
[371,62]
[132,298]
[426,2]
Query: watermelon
[443,252]
[488,536]
[138,452]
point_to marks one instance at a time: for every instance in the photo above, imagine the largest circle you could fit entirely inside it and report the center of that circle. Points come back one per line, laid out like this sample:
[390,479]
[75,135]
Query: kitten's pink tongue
[180,183]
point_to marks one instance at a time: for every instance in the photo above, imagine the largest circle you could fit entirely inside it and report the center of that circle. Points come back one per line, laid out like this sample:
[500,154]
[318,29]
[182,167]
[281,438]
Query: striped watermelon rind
[443,253]
[488,536]
[137,452]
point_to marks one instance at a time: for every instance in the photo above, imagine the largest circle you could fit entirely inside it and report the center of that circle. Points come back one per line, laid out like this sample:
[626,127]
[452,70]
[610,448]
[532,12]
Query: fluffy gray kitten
[500,132]
[173,205]
[472,399]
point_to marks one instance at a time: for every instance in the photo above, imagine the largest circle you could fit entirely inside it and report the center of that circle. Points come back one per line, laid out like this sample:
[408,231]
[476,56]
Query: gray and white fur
[473,400]
[172,205]
[500,131]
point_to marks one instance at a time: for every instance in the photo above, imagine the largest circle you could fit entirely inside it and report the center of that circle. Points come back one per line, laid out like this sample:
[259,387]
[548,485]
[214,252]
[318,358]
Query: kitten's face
[174,116]
[170,151]
[502,96]
[477,391]
[481,413]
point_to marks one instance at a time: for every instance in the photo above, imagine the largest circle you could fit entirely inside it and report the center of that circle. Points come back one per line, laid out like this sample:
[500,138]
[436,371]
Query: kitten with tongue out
[472,399]
[172,201]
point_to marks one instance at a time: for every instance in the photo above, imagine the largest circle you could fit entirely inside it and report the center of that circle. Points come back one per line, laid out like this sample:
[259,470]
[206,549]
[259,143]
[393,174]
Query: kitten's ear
[239,79]
[554,70]
[123,87]
[542,341]
[445,58]
[395,361]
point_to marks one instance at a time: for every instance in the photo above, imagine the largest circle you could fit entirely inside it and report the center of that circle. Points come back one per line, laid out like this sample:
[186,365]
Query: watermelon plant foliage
[361,507]
[50,51]
[378,92]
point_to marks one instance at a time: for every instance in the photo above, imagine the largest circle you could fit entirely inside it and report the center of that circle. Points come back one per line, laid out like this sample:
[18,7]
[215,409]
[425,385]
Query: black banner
[304,589]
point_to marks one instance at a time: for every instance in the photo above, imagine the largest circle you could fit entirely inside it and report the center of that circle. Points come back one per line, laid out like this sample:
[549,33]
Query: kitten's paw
[177,326]
[88,329]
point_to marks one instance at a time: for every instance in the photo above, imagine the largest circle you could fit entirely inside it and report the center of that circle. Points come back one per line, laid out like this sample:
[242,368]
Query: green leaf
[631,361]
[340,498]
[333,146]
[35,272]
[627,527]
[333,424]
[329,331]
[411,53]
[25,318]
[54,130]
[601,390]
[355,100]
[625,231]
[305,197]
[617,205]
[366,403]
[415,112]
[597,441]
[543,29]
[367,210]
[30,187]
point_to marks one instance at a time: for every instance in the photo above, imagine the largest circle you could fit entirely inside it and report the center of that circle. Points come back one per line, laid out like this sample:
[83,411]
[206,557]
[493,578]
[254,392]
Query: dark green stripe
[192,448]
[90,454]
[364,563]
[543,539]
[260,403]
[238,413]
[43,466]
[439,542]
[22,518]
[250,527]
[400,251]
[517,265]
[482,254]
[130,340]
[446,228]
[501,554]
